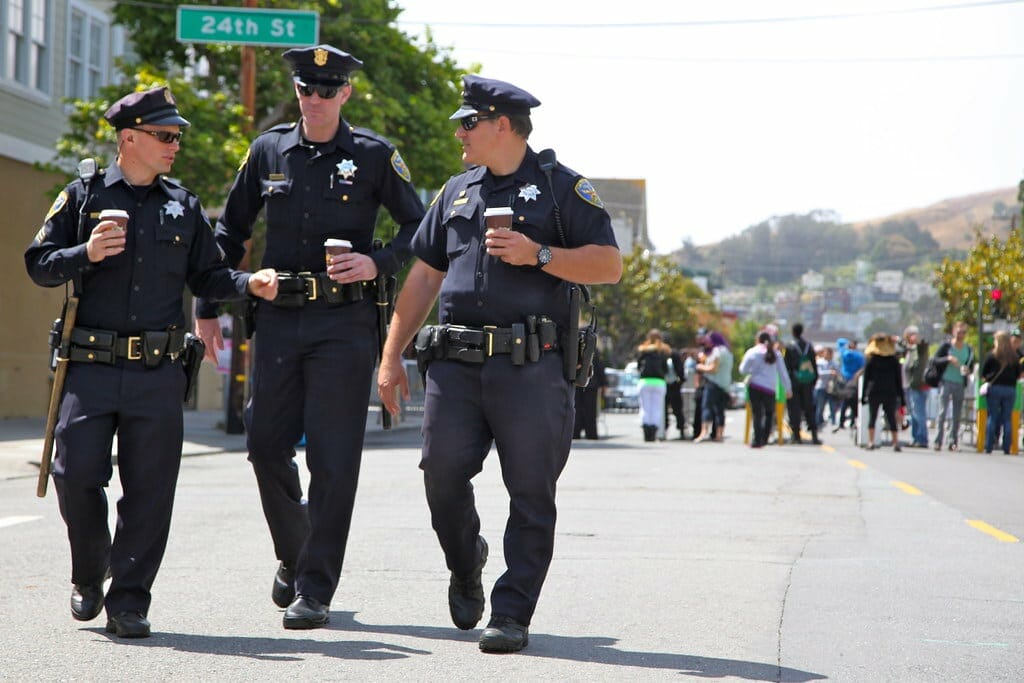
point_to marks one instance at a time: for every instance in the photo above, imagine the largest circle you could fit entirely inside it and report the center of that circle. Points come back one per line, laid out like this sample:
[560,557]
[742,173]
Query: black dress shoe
[466,596]
[86,602]
[306,612]
[504,634]
[128,625]
[284,586]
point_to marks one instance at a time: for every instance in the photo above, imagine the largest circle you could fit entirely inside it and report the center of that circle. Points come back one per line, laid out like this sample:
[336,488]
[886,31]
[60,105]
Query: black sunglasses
[163,136]
[469,123]
[325,92]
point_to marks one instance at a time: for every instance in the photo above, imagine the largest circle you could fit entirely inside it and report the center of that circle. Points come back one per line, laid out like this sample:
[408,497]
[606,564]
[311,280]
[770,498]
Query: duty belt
[104,346]
[522,341]
[295,290]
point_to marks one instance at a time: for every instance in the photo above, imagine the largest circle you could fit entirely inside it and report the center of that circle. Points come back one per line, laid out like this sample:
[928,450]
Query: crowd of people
[824,387]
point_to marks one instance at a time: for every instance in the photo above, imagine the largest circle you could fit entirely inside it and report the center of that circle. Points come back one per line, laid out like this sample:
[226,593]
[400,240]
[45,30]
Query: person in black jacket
[587,399]
[883,386]
[803,373]
[673,390]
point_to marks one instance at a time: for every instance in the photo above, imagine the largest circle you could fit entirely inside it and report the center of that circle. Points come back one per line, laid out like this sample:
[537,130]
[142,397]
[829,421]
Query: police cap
[322,64]
[155,106]
[491,96]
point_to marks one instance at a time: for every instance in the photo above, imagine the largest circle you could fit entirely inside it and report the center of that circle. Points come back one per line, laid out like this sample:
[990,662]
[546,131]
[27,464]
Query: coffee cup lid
[332,242]
[498,211]
[113,213]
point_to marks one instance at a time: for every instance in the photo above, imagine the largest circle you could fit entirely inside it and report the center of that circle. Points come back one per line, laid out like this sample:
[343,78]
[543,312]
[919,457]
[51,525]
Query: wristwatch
[543,256]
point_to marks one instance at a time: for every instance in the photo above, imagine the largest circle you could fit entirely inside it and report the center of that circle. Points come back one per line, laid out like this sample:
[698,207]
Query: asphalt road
[673,561]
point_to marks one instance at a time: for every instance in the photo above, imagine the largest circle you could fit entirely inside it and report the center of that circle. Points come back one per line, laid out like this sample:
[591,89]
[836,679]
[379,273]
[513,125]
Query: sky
[736,111]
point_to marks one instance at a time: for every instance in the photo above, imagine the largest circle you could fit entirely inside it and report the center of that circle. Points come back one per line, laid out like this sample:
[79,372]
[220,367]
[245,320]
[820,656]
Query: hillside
[951,221]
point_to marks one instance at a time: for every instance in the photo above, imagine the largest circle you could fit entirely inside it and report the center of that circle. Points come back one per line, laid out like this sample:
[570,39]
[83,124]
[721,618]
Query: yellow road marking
[858,464]
[906,488]
[828,449]
[992,531]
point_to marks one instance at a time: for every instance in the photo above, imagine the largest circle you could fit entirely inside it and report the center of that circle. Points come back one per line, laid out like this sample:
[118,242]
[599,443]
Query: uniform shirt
[314,191]
[169,243]
[480,289]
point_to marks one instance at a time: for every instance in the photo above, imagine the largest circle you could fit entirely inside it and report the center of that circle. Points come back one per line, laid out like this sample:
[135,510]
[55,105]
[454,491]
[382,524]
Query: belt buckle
[134,348]
[489,339]
[312,280]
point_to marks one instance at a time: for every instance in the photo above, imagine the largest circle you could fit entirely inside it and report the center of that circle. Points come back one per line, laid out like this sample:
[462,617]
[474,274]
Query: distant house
[626,203]
[49,50]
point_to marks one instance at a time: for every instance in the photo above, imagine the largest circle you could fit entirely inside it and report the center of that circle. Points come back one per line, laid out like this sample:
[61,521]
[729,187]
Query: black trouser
[143,407]
[674,404]
[762,409]
[801,407]
[698,399]
[586,412]
[527,413]
[312,374]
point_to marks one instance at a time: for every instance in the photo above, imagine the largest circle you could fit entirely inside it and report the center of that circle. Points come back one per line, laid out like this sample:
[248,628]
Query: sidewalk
[21,439]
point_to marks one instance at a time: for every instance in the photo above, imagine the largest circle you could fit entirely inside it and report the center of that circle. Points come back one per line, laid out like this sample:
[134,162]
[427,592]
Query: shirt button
[136,288]
[479,275]
[142,232]
[133,317]
[307,188]
[305,215]
[479,304]
[139,260]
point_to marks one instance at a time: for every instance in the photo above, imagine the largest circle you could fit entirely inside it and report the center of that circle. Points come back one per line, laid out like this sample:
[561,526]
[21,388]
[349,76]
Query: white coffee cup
[498,218]
[333,247]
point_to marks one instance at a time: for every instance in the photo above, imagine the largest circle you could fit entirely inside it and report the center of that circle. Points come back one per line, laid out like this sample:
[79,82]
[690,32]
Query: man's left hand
[352,267]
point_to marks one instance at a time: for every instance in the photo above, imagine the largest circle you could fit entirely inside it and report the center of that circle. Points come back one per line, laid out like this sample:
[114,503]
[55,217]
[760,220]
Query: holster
[191,359]
[430,345]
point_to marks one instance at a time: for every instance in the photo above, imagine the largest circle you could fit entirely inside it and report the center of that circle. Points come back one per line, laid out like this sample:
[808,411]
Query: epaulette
[281,127]
[358,131]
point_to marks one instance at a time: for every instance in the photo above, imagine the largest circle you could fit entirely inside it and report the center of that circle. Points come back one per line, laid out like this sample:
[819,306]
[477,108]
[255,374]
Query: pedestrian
[803,374]
[316,344]
[916,389]
[716,373]
[851,365]
[956,362]
[481,388]
[652,358]
[883,386]
[674,379]
[764,370]
[588,400]
[1000,372]
[125,370]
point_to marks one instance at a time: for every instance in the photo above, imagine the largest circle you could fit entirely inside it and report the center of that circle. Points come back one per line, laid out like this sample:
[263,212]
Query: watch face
[543,256]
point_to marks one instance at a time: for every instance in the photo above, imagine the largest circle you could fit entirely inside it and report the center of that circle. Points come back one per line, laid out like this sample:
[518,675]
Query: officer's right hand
[391,379]
[208,329]
[104,241]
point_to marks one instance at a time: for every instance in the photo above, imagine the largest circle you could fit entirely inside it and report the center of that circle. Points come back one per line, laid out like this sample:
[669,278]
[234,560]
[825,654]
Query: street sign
[247,26]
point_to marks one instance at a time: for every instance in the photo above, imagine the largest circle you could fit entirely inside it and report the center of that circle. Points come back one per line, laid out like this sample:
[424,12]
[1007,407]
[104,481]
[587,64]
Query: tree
[404,92]
[652,293]
[991,263]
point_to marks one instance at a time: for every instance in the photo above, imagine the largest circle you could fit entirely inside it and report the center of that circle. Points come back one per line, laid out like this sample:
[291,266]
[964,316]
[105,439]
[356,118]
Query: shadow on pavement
[590,649]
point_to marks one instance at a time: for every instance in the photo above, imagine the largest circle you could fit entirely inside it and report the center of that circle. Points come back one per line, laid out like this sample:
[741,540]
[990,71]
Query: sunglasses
[470,122]
[325,92]
[163,136]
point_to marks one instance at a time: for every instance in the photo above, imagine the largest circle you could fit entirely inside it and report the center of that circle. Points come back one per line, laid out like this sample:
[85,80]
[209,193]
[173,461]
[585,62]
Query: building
[626,203]
[48,51]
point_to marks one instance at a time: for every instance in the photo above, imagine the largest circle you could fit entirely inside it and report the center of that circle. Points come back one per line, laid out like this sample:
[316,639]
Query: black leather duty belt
[522,341]
[104,346]
[295,290]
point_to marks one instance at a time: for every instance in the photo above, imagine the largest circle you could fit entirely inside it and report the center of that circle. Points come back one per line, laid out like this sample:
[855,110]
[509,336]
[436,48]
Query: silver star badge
[528,192]
[174,209]
[347,169]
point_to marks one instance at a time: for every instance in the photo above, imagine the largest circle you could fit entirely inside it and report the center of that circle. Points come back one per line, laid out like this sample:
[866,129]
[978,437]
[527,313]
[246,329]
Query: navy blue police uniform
[316,344]
[125,376]
[523,407]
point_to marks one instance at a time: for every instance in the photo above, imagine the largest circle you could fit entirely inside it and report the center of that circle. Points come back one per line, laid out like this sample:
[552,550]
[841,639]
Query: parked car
[622,392]
[737,395]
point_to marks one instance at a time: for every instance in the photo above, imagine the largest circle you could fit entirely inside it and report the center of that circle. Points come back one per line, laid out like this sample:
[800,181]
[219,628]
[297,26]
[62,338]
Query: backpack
[805,364]
[933,373]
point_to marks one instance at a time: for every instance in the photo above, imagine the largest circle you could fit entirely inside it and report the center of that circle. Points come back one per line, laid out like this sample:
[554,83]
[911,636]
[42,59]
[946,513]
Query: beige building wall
[26,310]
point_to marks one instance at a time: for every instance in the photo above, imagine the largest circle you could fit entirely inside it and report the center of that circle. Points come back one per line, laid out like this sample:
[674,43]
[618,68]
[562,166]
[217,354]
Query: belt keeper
[517,348]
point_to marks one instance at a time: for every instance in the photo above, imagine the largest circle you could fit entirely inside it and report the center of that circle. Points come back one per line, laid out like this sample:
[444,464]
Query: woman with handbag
[1000,372]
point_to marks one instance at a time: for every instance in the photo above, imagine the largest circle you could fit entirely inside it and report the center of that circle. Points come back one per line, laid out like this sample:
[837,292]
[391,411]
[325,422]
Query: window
[27,50]
[87,53]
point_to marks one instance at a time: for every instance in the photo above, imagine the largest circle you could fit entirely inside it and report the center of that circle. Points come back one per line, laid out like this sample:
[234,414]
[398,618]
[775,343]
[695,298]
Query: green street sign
[247,26]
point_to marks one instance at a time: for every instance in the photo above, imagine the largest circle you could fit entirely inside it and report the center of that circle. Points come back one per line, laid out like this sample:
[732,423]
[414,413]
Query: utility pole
[239,376]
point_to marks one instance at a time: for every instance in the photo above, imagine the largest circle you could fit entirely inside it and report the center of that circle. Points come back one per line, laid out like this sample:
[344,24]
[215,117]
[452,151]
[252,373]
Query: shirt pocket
[173,242]
[463,229]
[275,195]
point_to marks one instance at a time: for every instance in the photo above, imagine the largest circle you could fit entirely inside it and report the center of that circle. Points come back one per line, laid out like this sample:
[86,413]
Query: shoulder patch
[59,203]
[587,193]
[438,195]
[401,169]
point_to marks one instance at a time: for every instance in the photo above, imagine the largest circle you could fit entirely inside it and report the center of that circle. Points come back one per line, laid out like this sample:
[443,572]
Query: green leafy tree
[992,263]
[652,293]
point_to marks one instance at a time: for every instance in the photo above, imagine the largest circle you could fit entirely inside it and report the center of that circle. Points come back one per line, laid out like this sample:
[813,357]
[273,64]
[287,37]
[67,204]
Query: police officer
[316,344]
[482,387]
[125,375]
